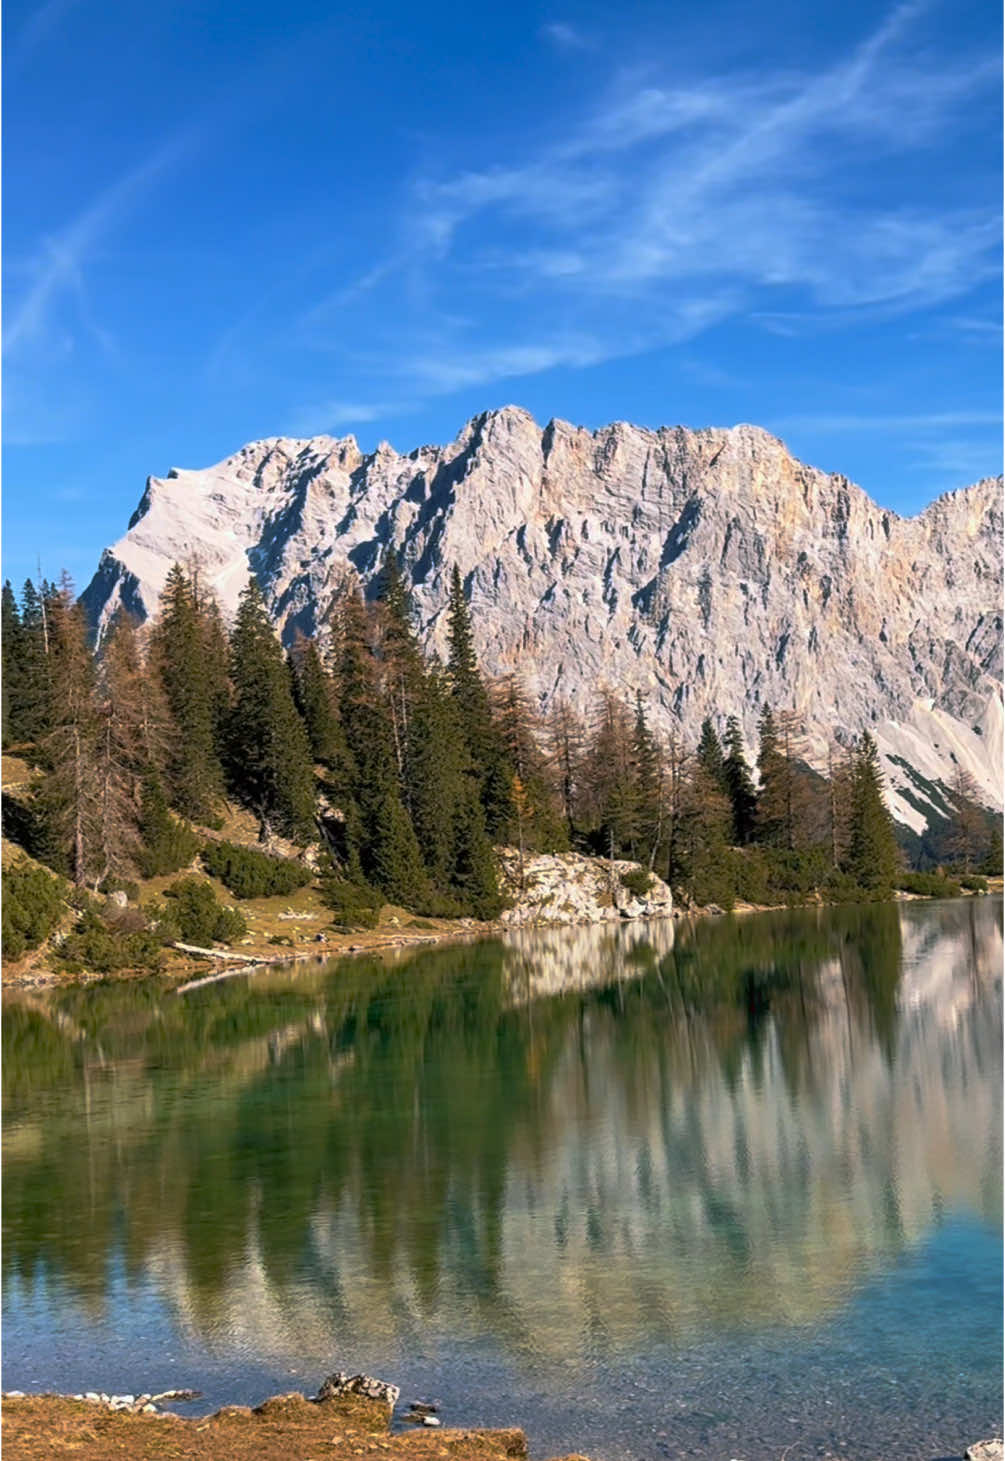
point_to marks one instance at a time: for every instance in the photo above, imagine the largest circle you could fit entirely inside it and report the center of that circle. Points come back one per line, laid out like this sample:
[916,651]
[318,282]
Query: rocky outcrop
[566,888]
[708,569]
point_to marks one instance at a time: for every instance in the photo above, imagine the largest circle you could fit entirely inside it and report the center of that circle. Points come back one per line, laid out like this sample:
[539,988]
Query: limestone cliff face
[709,569]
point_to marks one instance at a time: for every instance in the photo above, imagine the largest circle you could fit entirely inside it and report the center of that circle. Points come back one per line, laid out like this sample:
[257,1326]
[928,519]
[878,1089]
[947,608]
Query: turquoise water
[649,1191]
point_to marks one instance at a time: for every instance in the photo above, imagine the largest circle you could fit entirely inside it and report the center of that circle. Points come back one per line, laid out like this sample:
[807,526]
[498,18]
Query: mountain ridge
[709,569]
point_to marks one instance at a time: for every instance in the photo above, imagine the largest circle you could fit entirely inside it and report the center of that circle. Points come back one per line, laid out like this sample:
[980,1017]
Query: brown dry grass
[285,1428]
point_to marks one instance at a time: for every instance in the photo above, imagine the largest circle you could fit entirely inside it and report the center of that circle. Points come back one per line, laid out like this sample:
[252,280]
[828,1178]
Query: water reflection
[577,1143]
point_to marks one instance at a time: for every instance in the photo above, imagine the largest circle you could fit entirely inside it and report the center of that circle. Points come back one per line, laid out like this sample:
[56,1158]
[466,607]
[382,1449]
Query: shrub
[636,881]
[168,844]
[32,904]
[928,885]
[193,912]
[354,904]
[120,885]
[250,874]
[101,946]
[973,883]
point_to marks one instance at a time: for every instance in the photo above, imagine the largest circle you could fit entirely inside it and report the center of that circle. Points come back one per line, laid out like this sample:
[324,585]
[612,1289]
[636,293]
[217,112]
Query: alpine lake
[730,1189]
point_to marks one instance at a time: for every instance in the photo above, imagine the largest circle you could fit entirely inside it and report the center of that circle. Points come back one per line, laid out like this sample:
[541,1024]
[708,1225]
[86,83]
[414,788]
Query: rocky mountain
[709,569]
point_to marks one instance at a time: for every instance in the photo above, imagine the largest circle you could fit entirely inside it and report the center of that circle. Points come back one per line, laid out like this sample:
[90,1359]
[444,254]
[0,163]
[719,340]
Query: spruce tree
[873,855]
[771,822]
[316,699]
[710,755]
[738,784]
[269,752]
[12,646]
[609,776]
[486,755]
[70,795]
[29,716]
[388,851]
[649,787]
[190,682]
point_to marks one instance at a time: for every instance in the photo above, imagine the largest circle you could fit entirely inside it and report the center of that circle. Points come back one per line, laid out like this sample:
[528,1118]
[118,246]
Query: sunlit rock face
[709,569]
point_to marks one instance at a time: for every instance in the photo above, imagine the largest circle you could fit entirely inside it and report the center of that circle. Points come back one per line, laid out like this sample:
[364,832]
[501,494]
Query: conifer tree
[317,702]
[270,760]
[738,784]
[12,646]
[485,753]
[565,738]
[873,856]
[710,754]
[178,650]
[388,850]
[474,878]
[536,817]
[29,713]
[771,822]
[649,787]
[968,832]
[609,775]
[70,793]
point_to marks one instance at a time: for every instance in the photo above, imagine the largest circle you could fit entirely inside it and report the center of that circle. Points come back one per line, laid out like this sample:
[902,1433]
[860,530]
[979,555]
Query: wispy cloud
[59,266]
[330,416]
[566,37]
[675,206]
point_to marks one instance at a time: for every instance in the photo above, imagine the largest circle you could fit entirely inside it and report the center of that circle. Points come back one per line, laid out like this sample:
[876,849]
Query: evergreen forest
[389,777]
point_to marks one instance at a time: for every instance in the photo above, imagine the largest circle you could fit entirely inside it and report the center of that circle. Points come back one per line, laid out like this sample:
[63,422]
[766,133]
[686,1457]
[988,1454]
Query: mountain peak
[709,569]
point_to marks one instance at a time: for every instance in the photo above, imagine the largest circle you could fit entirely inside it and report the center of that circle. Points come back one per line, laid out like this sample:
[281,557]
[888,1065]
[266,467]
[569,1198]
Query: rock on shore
[567,888]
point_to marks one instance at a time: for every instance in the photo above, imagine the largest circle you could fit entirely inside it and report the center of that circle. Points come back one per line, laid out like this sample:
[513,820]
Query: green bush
[120,885]
[928,885]
[32,904]
[103,946]
[636,881]
[354,904]
[973,883]
[193,915]
[168,844]
[250,874]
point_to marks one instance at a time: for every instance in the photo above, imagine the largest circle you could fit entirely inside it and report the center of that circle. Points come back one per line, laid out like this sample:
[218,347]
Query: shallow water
[710,1195]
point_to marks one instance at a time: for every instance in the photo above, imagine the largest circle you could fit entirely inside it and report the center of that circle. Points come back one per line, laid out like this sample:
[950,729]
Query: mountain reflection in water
[577,1142]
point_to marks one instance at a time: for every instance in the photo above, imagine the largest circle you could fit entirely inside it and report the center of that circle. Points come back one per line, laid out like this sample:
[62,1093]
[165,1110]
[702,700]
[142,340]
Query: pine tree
[29,715]
[873,855]
[191,686]
[710,754]
[69,797]
[771,820]
[388,850]
[536,817]
[486,756]
[610,780]
[13,646]
[269,753]
[738,784]
[649,788]
[317,702]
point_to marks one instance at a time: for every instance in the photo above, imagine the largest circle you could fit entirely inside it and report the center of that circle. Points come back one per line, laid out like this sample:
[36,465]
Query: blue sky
[226,222]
